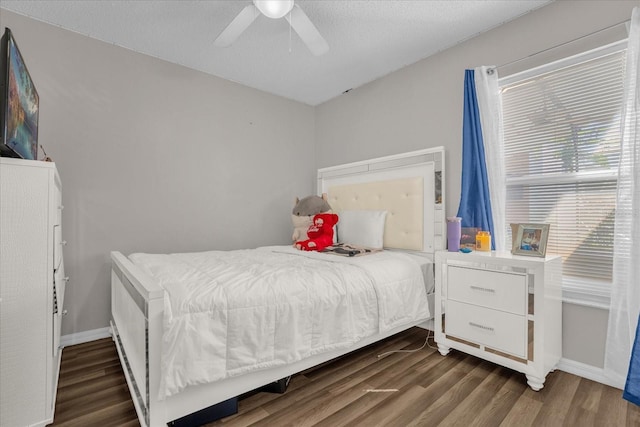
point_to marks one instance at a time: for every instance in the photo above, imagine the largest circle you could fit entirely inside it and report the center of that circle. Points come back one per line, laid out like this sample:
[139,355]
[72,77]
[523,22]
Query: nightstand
[501,307]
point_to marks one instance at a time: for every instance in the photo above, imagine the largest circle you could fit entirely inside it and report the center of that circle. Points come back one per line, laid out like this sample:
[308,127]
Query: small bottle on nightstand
[483,241]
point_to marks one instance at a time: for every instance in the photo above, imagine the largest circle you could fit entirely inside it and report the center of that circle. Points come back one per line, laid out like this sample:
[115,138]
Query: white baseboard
[85,336]
[587,371]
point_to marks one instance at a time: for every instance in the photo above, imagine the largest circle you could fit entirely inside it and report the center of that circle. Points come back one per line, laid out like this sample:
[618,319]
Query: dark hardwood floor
[92,390]
[420,388]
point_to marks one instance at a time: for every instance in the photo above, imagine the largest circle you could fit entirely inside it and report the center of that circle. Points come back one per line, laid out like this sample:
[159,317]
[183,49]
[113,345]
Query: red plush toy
[320,233]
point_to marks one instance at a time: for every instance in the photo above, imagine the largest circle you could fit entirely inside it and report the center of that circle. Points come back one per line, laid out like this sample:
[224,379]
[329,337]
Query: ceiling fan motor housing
[274,8]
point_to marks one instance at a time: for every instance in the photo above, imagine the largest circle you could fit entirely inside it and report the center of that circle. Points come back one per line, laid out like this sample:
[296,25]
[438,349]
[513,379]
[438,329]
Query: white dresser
[32,284]
[503,308]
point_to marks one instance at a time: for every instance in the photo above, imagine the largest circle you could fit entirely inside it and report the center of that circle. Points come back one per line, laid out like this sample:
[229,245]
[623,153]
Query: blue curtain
[632,387]
[475,203]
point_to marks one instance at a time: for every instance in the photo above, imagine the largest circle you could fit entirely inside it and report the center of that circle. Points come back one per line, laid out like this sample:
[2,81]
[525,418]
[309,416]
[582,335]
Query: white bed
[155,313]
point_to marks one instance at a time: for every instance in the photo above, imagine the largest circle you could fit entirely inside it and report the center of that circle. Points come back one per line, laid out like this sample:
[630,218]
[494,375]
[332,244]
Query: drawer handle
[480,288]
[66,279]
[477,325]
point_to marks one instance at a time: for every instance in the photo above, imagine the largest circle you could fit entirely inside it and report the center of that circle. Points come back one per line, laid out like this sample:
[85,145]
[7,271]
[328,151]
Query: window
[561,146]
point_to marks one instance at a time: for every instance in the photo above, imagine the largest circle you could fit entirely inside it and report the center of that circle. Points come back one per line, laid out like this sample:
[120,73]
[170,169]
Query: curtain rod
[492,69]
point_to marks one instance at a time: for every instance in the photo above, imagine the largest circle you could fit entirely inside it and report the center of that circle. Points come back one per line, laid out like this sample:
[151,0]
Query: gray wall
[159,158]
[421,106]
[156,157]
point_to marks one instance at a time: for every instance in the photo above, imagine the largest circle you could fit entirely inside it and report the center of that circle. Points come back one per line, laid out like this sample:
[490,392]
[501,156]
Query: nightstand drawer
[494,329]
[493,289]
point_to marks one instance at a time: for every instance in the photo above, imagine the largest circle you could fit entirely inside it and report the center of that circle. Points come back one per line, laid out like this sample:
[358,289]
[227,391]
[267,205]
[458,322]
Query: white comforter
[231,312]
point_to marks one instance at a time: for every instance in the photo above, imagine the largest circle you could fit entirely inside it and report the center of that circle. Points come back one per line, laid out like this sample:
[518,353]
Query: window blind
[561,146]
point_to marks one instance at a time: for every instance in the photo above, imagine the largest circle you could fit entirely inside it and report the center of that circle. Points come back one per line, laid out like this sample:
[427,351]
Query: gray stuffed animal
[311,205]
[303,212]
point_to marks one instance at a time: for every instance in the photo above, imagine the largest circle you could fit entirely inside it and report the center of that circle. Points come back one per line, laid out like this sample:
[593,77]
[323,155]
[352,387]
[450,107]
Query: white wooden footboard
[136,309]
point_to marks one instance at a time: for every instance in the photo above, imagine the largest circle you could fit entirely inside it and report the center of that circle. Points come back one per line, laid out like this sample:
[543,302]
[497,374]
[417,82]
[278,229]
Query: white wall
[421,106]
[159,158]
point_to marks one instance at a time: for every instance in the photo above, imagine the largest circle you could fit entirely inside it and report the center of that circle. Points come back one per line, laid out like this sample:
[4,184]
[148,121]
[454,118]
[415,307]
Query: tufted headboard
[408,186]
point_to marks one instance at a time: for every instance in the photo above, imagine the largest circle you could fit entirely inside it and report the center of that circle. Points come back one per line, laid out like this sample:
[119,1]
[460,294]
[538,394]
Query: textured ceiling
[367,39]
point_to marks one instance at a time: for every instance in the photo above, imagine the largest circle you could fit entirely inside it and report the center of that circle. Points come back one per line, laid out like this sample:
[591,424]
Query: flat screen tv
[19,106]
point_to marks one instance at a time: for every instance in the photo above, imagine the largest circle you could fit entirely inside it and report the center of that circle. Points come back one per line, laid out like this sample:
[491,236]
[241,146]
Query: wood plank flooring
[359,390]
[92,390]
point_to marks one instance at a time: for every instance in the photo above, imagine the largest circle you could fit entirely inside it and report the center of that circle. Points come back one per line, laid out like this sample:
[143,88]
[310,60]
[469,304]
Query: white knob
[66,279]
[64,312]
[63,243]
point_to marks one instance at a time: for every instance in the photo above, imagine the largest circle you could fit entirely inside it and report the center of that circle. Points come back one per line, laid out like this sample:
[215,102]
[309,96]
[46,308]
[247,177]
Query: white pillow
[362,228]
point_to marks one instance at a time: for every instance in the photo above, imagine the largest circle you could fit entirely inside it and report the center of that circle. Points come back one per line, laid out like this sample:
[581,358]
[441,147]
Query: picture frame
[530,239]
[468,237]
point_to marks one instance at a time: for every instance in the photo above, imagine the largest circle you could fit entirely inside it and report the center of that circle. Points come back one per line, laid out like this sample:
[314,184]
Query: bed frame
[409,186]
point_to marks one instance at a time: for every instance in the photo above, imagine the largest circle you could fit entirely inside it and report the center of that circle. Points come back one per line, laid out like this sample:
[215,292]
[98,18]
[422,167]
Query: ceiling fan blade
[307,31]
[237,26]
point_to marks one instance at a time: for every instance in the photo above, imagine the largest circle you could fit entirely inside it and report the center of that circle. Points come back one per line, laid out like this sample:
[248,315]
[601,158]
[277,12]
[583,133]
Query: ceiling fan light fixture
[274,8]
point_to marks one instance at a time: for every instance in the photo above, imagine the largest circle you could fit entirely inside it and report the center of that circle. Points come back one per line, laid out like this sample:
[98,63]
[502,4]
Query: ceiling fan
[275,9]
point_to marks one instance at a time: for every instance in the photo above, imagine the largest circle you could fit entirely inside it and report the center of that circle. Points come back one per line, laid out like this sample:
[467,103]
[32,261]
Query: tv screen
[19,106]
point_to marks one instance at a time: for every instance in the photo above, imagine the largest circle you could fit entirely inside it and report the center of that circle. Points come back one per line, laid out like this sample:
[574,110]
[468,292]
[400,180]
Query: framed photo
[468,237]
[530,239]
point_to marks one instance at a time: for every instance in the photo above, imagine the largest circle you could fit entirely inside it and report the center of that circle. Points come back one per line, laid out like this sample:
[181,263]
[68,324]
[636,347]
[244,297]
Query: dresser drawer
[60,283]
[493,289]
[494,329]
[58,207]
[58,246]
